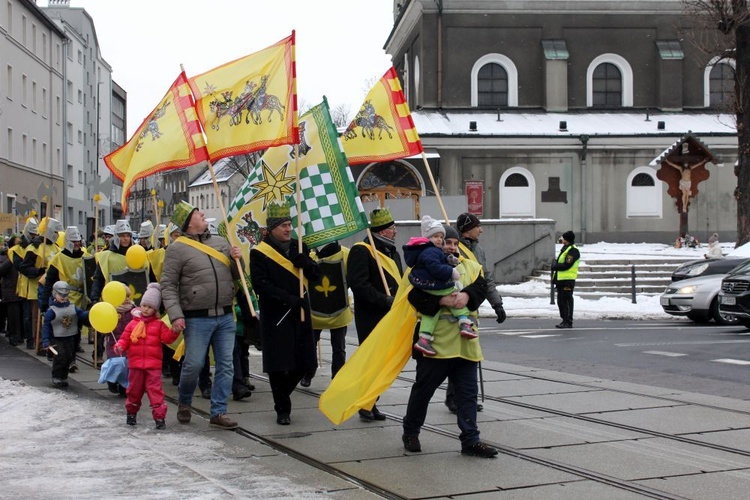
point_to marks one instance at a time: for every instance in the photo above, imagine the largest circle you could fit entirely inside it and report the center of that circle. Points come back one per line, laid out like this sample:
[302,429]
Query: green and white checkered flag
[330,203]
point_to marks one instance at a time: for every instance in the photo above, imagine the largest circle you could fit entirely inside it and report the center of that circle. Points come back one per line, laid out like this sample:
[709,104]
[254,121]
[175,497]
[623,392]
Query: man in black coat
[288,340]
[371,302]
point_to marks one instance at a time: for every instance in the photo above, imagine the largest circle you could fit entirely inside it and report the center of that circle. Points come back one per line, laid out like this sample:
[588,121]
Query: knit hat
[450,232]
[277,214]
[569,236]
[152,296]
[182,213]
[466,222]
[431,227]
[380,219]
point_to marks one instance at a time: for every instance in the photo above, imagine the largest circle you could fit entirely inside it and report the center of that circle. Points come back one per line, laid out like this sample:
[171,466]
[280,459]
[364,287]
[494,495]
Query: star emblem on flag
[274,186]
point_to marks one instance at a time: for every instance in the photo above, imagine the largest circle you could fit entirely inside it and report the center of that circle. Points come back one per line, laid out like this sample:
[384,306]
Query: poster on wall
[475,197]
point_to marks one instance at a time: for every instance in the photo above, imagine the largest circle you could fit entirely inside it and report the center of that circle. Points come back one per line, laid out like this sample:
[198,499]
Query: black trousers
[565,300]
[338,348]
[15,320]
[282,386]
[66,353]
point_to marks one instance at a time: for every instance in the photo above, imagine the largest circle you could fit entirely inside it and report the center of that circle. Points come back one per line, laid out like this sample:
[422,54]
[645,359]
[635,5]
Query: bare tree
[724,30]
[340,115]
[244,163]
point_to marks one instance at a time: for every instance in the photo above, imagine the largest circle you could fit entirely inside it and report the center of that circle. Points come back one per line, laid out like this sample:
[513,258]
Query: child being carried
[434,272]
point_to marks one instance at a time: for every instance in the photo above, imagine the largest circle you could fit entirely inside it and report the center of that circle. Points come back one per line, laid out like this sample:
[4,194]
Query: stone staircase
[614,277]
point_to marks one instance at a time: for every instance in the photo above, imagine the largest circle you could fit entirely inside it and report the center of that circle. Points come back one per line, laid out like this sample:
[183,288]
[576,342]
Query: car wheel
[699,317]
[722,319]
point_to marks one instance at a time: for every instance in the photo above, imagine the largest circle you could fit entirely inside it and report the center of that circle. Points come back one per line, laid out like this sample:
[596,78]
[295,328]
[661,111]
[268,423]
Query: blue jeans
[200,333]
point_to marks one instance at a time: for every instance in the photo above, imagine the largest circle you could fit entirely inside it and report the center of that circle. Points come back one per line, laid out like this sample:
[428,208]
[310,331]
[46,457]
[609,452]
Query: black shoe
[241,393]
[130,420]
[283,419]
[480,407]
[112,387]
[56,382]
[376,414]
[246,382]
[305,382]
[161,425]
[73,367]
[51,358]
[564,325]
[30,344]
[479,449]
[452,407]
[206,393]
[14,342]
[412,444]
[176,381]
[366,416]
[79,348]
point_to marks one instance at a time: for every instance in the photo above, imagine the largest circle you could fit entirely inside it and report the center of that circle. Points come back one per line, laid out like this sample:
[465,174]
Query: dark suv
[734,297]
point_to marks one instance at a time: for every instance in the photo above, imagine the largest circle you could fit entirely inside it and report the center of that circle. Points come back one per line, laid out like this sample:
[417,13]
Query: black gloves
[554,266]
[500,313]
[300,260]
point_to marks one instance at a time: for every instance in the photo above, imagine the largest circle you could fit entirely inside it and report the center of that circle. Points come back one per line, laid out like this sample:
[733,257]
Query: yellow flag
[168,138]
[375,364]
[383,129]
[250,103]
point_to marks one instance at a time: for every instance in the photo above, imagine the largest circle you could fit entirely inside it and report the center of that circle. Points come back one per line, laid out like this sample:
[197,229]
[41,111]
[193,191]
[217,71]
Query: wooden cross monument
[683,167]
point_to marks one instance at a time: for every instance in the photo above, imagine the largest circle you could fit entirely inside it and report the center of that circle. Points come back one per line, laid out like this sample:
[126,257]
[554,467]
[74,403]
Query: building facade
[560,110]
[56,114]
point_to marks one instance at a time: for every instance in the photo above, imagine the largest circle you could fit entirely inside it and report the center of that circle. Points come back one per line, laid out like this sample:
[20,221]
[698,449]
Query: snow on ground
[57,445]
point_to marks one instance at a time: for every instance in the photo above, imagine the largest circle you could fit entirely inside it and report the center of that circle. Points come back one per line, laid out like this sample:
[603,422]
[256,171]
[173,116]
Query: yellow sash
[275,256]
[466,252]
[212,252]
[389,265]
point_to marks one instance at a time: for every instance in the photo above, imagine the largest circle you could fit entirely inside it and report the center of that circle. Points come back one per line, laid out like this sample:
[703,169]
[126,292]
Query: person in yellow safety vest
[34,266]
[565,269]
[16,255]
[330,306]
[67,266]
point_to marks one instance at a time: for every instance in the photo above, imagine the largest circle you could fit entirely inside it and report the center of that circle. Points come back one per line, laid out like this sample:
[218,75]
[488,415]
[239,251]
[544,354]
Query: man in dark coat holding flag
[288,341]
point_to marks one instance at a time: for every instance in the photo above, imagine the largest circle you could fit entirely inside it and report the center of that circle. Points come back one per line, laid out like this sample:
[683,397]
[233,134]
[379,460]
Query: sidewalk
[561,436]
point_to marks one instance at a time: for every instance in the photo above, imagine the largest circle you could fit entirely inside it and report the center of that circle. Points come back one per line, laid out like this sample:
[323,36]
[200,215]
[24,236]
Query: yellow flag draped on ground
[375,364]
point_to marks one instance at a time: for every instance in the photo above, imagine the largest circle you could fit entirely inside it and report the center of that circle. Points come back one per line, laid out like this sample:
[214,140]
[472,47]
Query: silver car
[696,298]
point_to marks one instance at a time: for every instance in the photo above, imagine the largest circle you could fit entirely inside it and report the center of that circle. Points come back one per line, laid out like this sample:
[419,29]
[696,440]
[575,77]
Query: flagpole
[97,197]
[156,218]
[377,261]
[434,188]
[299,228]
[230,235]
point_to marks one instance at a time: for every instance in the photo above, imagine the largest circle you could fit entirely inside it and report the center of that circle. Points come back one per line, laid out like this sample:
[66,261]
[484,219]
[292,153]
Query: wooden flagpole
[231,237]
[377,261]
[434,188]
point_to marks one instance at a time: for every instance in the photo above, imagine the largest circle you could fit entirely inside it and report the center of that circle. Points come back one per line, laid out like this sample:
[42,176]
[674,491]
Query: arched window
[517,193]
[492,86]
[719,84]
[494,82]
[607,86]
[643,193]
[609,82]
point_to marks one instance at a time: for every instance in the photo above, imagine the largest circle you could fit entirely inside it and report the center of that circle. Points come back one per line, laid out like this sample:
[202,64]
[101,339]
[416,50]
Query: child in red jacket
[142,340]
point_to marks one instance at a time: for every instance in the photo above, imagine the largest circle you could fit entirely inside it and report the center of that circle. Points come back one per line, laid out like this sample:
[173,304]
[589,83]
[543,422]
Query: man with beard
[285,320]
[371,302]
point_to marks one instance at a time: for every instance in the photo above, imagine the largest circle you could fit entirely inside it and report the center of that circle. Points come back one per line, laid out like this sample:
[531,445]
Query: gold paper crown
[380,218]
[181,214]
[278,211]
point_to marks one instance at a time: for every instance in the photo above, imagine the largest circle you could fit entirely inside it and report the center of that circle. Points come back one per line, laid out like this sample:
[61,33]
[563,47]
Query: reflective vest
[71,272]
[568,274]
